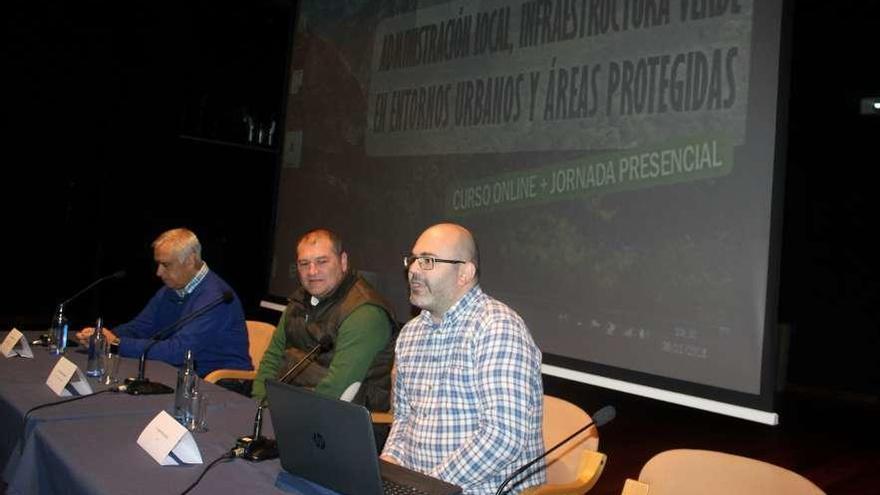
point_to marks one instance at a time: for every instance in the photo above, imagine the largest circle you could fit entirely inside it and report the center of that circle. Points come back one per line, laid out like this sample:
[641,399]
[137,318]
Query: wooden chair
[697,472]
[576,466]
[259,336]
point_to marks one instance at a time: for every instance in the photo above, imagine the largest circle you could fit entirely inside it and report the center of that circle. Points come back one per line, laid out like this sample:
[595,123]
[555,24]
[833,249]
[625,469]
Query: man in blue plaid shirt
[468,398]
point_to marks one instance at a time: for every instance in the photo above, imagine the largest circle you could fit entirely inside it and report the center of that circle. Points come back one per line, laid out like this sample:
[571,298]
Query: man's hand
[111,337]
[83,336]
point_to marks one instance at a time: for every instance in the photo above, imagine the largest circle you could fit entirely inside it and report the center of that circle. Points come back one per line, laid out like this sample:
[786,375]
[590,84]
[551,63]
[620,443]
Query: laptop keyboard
[392,488]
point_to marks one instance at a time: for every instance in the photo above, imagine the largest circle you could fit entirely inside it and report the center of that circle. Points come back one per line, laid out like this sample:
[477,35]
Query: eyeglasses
[426,262]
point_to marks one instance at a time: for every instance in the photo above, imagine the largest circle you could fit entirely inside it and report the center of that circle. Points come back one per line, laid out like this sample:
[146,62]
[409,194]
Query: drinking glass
[197,409]
[111,367]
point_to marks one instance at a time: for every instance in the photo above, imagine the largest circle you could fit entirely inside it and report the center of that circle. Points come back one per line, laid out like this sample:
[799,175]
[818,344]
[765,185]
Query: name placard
[168,442]
[16,345]
[66,372]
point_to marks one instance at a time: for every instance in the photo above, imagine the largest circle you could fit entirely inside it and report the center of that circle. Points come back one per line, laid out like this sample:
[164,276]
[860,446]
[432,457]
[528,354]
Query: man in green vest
[336,302]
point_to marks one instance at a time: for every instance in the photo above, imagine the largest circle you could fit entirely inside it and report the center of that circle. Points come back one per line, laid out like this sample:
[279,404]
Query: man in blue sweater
[218,337]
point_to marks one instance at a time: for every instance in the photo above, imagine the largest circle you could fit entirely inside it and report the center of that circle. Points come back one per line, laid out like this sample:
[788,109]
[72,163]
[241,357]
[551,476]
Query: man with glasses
[468,397]
[336,302]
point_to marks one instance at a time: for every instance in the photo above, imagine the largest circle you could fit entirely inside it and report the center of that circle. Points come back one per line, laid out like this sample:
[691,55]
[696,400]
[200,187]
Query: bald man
[468,397]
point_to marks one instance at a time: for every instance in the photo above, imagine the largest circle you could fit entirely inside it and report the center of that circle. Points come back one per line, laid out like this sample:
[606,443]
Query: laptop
[331,443]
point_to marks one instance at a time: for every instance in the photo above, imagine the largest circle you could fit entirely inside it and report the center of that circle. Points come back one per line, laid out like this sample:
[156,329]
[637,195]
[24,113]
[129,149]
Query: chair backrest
[693,472]
[561,419]
[259,336]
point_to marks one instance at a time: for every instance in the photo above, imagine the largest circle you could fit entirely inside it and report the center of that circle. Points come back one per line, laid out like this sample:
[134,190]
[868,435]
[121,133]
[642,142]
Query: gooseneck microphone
[117,275]
[257,447]
[143,386]
[601,418]
[324,345]
[59,310]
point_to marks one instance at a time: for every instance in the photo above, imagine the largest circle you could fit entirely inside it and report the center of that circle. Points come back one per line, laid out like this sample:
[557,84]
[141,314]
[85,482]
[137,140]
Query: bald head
[459,241]
[435,287]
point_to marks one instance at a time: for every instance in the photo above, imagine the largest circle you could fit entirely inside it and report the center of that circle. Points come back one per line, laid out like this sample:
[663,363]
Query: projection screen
[614,158]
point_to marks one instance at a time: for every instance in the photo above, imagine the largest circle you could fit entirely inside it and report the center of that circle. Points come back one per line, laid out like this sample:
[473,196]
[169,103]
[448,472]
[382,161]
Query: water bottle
[58,332]
[97,344]
[186,382]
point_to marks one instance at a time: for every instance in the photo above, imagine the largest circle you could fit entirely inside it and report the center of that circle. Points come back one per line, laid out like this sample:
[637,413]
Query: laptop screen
[324,440]
[331,443]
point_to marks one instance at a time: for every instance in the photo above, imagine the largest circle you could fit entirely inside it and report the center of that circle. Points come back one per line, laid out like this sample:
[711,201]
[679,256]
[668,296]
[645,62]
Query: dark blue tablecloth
[90,446]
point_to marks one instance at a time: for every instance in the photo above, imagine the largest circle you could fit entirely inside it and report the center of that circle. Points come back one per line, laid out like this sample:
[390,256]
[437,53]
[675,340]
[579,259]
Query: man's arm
[508,391]
[143,325]
[363,334]
[195,334]
[272,360]
[395,444]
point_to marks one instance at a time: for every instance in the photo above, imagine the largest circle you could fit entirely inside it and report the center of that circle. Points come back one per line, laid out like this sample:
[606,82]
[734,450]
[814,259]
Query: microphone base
[133,386]
[259,449]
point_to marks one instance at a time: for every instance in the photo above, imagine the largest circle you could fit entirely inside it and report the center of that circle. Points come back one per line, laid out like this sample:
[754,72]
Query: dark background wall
[830,293]
[125,119]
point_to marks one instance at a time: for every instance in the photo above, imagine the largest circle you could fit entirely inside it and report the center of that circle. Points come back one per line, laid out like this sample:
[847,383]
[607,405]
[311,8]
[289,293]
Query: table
[90,446]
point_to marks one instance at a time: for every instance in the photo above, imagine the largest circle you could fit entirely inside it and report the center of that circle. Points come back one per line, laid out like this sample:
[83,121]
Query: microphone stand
[257,447]
[141,385]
